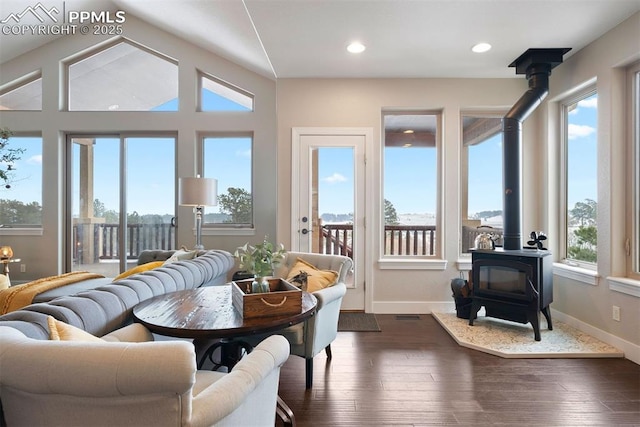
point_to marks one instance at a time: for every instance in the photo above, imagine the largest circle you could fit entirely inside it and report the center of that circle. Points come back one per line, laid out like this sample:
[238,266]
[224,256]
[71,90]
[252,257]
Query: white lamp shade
[198,191]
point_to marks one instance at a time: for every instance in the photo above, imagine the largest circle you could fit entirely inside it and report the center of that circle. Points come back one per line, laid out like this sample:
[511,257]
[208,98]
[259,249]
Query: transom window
[123,77]
[23,95]
[217,95]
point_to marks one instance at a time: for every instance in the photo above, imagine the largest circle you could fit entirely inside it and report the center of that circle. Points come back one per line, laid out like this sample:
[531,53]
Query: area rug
[515,340]
[357,322]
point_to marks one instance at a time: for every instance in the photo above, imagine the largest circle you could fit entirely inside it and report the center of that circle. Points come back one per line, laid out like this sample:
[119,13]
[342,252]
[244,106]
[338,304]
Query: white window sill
[624,285]
[412,264]
[8,231]
[579,274]
[464,264]
[231,231]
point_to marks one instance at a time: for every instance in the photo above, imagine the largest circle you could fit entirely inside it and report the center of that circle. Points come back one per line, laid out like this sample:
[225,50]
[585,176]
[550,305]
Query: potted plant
[260,260]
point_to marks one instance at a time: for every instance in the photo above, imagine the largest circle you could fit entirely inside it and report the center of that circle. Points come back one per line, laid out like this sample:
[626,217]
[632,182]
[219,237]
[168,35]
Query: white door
[328,199]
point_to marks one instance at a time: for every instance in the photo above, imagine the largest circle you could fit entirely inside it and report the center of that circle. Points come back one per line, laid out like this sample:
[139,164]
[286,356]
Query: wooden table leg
[285,413]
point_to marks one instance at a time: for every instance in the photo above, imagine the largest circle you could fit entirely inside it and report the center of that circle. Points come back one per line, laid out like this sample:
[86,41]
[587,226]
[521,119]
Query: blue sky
[150,163]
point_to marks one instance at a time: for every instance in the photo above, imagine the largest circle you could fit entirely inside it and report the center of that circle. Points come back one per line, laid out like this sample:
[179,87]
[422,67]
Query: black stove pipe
[537,65]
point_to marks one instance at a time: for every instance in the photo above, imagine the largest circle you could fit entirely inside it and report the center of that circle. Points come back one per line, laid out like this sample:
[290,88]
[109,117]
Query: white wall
[359,103]
[590,305]
[43,253]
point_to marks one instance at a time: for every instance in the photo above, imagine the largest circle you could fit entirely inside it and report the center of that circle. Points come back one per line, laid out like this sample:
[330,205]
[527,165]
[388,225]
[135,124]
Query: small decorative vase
[260,285]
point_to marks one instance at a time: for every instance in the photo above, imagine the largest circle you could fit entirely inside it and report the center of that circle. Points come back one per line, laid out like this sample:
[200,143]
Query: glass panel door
[150,195]
[329,205]
[103,239]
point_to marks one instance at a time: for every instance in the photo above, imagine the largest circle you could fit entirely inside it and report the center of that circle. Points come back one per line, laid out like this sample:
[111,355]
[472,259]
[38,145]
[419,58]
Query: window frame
[633,159]
[21,82]
[201,75]
[23,229]
[464,168]
[563,213]
[212,228]
[435,261]
[65,86]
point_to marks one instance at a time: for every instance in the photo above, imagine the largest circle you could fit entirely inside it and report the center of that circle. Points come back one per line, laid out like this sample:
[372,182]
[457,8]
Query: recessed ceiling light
[356,47]
[481,47]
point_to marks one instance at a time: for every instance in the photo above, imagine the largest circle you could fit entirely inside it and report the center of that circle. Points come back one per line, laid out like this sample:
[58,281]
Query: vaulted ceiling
[403,38]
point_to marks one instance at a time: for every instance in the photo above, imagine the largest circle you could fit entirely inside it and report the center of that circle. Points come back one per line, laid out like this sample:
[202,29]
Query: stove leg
[534,318]
[547,315]
[475,307]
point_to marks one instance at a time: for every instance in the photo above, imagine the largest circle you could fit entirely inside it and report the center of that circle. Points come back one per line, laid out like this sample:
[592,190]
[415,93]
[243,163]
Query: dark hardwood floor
[414,374]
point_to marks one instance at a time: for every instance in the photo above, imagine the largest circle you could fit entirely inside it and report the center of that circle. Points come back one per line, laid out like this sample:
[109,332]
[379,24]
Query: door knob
[304,231]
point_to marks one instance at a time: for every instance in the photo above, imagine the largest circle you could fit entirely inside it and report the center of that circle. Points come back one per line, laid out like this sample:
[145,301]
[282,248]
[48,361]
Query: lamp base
[198,247]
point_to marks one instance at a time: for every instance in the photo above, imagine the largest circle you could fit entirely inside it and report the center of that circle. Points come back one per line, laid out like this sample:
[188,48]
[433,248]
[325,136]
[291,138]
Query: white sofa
[133,382]
[71,383]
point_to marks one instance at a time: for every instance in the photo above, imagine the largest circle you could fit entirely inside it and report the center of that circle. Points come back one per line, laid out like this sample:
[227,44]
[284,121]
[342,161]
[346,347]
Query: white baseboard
[631,350]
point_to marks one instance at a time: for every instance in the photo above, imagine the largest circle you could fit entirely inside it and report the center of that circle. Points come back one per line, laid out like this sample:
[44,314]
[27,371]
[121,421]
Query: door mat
[357,322]
[515,340]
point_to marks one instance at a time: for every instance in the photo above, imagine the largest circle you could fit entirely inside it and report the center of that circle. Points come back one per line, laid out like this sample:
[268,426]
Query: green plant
[260,259]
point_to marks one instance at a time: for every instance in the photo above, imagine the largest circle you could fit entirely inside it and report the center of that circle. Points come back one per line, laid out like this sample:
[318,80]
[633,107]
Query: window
[580,177]
[21,192]
[481,166]
[229,159]
[216,95]
[410,183]
[123,77]
[23,95]
[633,226]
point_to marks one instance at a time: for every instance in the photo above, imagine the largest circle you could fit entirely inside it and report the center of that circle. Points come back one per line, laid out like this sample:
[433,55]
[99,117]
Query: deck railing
[334,239]
[105,239]
[398,239]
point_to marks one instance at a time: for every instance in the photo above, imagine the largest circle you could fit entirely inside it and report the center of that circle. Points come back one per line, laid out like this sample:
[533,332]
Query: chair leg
[327,350]
[309,373]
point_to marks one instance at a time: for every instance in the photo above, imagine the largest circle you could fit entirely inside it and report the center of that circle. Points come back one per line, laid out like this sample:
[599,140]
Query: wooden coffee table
[208,313]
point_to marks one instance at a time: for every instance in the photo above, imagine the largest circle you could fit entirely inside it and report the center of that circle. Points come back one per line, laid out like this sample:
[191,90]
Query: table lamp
[6,252]
[198,192]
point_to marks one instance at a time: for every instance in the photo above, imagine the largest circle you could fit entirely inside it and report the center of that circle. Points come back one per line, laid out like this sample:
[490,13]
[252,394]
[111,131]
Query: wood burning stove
[513,285]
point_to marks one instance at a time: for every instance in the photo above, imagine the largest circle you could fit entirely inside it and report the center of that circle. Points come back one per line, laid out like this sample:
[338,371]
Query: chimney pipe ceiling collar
[535,56]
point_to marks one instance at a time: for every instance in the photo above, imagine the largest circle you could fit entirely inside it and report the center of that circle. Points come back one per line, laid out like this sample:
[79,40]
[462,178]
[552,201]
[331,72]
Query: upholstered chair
[309,338]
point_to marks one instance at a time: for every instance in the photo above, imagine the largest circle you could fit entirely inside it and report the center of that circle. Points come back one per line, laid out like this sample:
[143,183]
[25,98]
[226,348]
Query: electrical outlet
[616,313]
[23,268]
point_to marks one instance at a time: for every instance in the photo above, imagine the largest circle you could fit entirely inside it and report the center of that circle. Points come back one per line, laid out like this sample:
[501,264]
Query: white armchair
[318,332]
[72,383]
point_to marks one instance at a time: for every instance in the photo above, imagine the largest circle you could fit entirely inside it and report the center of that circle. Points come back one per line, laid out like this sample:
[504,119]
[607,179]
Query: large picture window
[229,160]
[580,176]
[410,182]
[21,192]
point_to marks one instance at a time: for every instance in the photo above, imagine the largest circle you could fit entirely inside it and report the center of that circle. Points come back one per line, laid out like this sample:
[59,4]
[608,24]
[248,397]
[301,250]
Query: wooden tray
[284,299]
